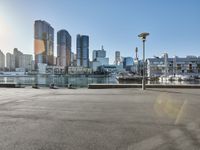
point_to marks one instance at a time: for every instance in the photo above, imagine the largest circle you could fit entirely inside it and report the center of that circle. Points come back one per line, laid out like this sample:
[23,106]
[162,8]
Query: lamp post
[143,37]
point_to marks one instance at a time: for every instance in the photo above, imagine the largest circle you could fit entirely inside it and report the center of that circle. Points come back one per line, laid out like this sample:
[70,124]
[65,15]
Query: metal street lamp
[143,37]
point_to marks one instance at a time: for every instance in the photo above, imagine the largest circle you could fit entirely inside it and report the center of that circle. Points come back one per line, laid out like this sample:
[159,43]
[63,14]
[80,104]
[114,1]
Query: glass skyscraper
[117,58]
[43,42]
[63,48]
[82,50]
[98,54]
[128,61]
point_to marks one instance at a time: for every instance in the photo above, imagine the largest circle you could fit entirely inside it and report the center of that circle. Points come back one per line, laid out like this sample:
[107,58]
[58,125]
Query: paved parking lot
[108,119]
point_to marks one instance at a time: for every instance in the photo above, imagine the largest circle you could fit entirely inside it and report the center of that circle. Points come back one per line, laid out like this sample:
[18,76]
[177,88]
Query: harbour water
[78,81]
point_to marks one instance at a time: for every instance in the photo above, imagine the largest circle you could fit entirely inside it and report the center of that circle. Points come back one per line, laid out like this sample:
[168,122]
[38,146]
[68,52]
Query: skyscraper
[17,54]
[82,50]
[10,61]
[43,42]
[2,60]
[25,62]
[99,59]
[63,48]
[127,63]
[98,53]
[117,57]
[73,59]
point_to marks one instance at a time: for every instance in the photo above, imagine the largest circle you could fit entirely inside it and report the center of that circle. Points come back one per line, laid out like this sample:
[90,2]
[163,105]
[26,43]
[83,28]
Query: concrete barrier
[108,86]
[11,85]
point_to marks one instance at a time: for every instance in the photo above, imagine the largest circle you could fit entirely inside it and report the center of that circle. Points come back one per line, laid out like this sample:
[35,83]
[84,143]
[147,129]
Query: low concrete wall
[108,86]
[10,85]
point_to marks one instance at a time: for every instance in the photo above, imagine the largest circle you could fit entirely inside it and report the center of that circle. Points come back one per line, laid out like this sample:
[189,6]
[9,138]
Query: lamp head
[143,35]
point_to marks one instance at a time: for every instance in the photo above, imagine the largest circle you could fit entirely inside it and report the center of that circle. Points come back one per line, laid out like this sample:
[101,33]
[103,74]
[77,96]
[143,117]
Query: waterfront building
[189,65]
[99,62]
[94,55]
[82,50]
[25,61]
[63,48]
[10,62]
[56,70]
[33,65]
[98,54]
[99,59]
[46,69]
[17,55]
[18,60]
[20,70]
[127,63]
[2,60]
[55,61]
[79,70]
[73,59]
[41,68]
[106,69]
[117,58]
[140,68]
[43,42]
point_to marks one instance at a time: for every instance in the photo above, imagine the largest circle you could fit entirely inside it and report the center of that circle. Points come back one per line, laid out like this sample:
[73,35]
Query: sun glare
[3,26]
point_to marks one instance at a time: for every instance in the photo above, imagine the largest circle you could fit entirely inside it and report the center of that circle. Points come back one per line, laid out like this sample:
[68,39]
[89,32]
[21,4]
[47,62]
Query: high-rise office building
[2,60]
[73,59]
[17,55]
[63,48]
[25,62]
[10,61]
[82,50]
[99,59]
[127,62]
[98,53]
[43,42]
[117,58]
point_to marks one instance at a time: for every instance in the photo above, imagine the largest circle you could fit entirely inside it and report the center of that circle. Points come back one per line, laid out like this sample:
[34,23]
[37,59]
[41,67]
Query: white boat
[176,78]
[167,78]
[186,77]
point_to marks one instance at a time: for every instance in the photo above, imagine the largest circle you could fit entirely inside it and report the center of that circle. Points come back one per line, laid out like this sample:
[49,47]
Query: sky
[174,25]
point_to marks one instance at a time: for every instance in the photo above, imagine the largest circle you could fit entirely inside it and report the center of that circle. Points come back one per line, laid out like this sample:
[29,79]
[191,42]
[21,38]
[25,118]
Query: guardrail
[108,86]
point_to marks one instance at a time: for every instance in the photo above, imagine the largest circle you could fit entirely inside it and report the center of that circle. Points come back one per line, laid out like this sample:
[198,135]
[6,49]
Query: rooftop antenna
[102,48]
[136,53]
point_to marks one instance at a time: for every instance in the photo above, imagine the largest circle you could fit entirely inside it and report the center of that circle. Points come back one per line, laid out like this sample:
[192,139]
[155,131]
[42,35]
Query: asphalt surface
[108,119]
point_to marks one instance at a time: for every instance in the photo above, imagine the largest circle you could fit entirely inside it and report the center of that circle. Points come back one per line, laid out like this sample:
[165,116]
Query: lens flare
[4,29]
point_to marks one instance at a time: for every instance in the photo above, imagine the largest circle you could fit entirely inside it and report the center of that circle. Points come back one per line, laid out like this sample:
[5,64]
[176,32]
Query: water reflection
[77,80]
[59,80]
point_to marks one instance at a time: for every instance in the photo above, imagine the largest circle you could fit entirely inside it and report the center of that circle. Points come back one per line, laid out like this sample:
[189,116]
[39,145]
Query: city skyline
[173,25]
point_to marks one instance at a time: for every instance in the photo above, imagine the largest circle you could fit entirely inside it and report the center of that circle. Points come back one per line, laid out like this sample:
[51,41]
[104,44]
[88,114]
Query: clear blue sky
[174,25]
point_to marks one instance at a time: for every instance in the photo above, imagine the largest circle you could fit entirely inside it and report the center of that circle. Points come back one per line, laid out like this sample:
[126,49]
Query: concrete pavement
[93,119]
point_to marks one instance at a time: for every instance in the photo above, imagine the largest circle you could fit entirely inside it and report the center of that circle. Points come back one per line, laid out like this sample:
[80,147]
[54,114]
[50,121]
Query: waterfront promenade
[99,119]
